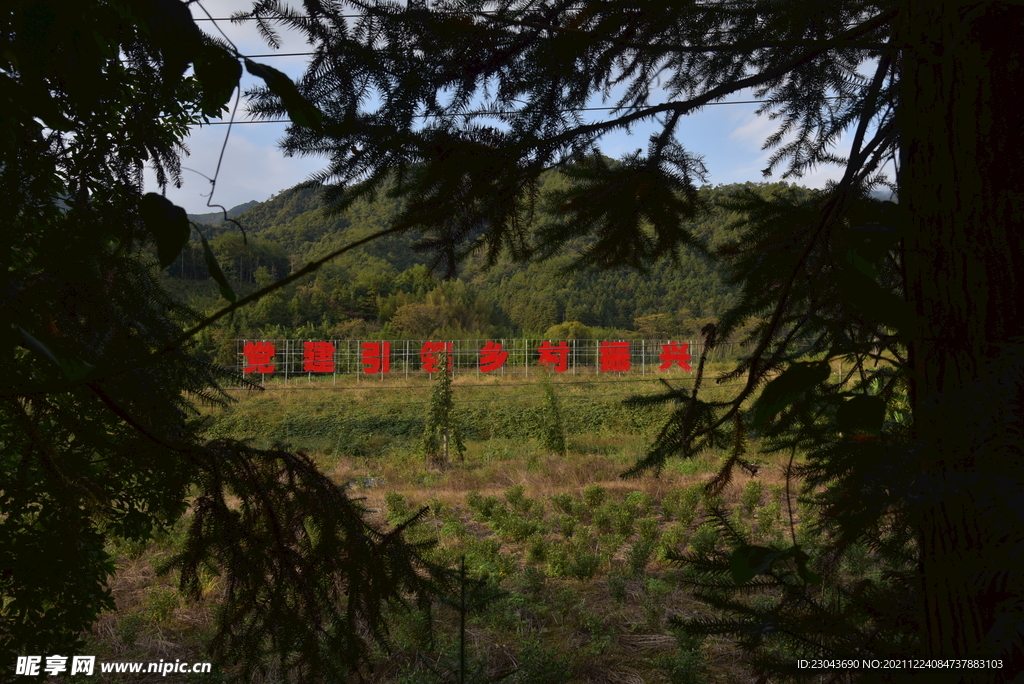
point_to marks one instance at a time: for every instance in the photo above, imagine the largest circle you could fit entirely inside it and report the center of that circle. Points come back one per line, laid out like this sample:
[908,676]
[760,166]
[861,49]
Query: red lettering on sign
[675,353]
[376,357]
[557,356]
[614,356]
[257,357]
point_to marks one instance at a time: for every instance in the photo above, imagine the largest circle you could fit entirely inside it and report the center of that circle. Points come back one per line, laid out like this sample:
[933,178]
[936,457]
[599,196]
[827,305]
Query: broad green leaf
[861,414]
[788,387]
[749,560]
[173,30]
[21,102]
[874,302]
[215,272]
[219,73]
[73,369]
[167,223]
[38,347]
[300,110]
[872,240]
[868,244]
[857,260]
[801,558]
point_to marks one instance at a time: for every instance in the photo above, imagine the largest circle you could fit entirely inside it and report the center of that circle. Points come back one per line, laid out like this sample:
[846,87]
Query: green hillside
[386,290]
[216,217]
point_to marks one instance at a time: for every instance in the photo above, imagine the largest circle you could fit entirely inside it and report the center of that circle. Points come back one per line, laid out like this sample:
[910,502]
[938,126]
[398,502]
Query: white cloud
[253,167]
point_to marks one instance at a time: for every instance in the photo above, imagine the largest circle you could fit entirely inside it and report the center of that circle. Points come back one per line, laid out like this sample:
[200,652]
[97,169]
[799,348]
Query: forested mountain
[385,289]
[218,216]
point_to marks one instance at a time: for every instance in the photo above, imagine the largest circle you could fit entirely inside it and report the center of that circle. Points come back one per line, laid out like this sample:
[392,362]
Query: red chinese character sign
[614,356]
[322,356]
[431,351]
[492,357]
[376,357]
[556,356]
[257,357]
[318,357]
[675,353]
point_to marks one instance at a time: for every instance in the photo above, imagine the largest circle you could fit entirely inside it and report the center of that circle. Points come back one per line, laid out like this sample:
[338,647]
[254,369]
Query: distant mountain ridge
[217,217]
[384,288]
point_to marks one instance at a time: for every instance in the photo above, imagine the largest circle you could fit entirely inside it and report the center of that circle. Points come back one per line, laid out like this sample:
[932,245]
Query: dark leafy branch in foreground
[295,544]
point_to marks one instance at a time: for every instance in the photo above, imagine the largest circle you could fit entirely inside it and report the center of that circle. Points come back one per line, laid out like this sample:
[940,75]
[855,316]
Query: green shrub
[552,425]
[516,497]
[397,508]
[540,664]
[682,504]
[532,580]
[655,593]
[674,539]
[617,586]
[558,561]
[769,521]
[453,527]
[689,666]
[437,507]
[648,529]
[129,627]
[161,603]
[564,503]
[594,495]
[486,508]
[577,560]
[609,544]
[567,524]
[750,499]
[705,538]
[638,503]
[520,503]
[604,520]
[485,559]
[623,519]
[516,528]
[740,524]
[638,556]
[537,551]
[583,563]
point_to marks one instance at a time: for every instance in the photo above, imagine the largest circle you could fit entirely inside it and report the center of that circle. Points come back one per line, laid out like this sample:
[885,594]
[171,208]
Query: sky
[729,137]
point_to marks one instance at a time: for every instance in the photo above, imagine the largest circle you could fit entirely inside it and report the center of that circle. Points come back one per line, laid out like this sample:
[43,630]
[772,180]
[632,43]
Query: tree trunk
[961,189]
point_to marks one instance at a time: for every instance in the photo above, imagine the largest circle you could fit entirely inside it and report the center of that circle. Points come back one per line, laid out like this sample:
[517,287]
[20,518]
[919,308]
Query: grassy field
[578,551]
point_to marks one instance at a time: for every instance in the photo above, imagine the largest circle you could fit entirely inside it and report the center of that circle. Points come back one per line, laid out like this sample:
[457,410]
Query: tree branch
[729,47]
[714,94]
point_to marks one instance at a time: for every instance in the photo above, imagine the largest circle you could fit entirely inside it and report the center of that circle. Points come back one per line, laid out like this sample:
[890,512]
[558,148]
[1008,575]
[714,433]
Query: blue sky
[729,137]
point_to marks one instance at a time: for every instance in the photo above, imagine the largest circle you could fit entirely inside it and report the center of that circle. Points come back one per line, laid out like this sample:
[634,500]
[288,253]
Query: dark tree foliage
[99,430]
[466,103]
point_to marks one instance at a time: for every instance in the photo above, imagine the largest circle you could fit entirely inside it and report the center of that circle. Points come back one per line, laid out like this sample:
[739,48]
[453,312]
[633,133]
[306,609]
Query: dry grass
[632,629]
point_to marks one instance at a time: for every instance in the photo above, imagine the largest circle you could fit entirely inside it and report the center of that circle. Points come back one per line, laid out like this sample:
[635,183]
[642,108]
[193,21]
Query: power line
[451,13]
[485,113]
